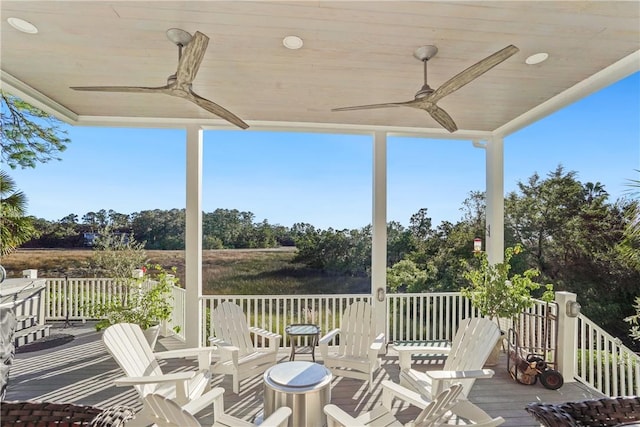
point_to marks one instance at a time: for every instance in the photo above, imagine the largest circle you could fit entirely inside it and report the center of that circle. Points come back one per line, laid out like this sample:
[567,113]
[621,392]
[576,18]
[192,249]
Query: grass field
[227,271]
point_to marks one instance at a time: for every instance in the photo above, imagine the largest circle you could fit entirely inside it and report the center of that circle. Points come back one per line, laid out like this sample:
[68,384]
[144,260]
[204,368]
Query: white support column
[193,238]
[494,233]
[379,232]
[567,336]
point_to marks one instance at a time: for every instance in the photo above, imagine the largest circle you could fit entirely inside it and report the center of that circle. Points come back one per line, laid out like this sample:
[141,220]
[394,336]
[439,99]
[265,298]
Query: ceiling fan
[426,98]
[179,84]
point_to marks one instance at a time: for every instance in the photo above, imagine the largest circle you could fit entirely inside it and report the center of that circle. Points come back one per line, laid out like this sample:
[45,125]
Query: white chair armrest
[326,339]
[323,343]
[421,349]
[459,375]
[273,338]
[464,408]
[153,379]
[378,343]
[197,405]
[338,417]
[202,353]
[184,352]
[406,351]
[374,350]
[279,418]
[439,379]
[391,390]
[264,333]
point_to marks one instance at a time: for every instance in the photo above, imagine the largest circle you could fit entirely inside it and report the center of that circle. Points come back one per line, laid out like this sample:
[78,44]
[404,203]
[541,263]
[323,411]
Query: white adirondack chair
[468,353]
[129,347]
[238,355]
[436,412]
[167,413]
[358,349]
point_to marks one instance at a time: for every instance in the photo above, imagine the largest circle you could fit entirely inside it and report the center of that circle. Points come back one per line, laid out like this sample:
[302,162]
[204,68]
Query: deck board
[83,372]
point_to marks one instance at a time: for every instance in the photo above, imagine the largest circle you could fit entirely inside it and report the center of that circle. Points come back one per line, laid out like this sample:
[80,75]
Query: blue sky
[325,179]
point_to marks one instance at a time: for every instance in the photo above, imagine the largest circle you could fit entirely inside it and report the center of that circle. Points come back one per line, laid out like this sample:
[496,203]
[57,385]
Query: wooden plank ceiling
[354,53]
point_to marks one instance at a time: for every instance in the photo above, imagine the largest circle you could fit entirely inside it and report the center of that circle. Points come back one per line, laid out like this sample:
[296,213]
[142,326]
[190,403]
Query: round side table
[300,331]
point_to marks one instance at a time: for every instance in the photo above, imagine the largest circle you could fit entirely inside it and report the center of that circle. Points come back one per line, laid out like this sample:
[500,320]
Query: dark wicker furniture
[45,414]
[603,412]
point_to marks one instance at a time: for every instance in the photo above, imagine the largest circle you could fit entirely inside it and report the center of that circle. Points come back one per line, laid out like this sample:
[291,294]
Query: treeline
[162,229]
[571,232]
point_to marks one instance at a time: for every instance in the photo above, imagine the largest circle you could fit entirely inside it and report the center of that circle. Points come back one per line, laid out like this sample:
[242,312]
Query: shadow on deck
[82,372]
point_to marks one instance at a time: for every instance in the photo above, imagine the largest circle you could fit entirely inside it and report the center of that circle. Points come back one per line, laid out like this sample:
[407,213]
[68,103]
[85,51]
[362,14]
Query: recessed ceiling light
[292,42]
[536,58]
[22,25]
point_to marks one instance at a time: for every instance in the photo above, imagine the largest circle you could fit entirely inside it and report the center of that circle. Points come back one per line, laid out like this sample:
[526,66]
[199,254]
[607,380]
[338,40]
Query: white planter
[151,334]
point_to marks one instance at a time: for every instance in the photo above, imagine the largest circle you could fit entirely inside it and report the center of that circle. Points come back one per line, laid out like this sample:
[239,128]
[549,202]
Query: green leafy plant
[145,301]
[496,293]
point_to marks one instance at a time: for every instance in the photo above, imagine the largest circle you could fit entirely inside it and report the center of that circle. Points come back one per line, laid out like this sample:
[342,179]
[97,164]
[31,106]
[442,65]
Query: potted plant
[499,295]
[144,300]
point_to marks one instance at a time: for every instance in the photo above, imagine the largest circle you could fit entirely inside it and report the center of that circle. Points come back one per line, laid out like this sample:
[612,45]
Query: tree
[116,254]
[630,245]
[15,228]
[572,235]
[406,276]
[29,135]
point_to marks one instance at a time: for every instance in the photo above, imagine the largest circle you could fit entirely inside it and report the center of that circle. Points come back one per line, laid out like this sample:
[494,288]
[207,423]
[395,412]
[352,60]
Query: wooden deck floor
[83,372]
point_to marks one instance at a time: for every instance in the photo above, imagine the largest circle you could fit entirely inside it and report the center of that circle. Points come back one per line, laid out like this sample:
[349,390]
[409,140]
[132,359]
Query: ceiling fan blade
[473,72]
[191,58]
[138,89]
[442,117]
[219,111]
[372,106]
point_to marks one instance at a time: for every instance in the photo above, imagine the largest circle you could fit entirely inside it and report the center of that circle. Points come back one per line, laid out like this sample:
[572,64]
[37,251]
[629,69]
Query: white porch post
[379,232]
[494,232]
[193,238]
[567,337]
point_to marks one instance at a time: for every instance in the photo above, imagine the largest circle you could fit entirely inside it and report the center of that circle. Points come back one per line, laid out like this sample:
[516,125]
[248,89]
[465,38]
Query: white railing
[70,298]
[426,316]
[178,315]
[275,312]
[604,363]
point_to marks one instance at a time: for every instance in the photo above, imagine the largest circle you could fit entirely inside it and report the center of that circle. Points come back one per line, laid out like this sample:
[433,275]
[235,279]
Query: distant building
[89,239]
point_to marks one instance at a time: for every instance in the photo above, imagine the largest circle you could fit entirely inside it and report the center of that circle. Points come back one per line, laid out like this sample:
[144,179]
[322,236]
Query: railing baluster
[602,361]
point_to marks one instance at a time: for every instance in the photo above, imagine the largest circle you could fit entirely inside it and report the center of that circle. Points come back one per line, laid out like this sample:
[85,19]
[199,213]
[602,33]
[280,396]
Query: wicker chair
[45,414]
[604,412]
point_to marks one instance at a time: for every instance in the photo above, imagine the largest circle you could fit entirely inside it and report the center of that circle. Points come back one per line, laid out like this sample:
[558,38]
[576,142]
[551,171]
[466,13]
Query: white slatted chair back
[168,413]
[129,347]
[233,337]
[230,325]
[438,408]
[356,330]
[471,347]
[436,412]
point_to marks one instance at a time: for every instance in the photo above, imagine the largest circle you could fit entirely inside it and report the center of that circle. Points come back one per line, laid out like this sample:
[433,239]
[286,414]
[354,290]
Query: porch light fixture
[292,42]
[573,308]
[536,58]
[477,245]
[22,25]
